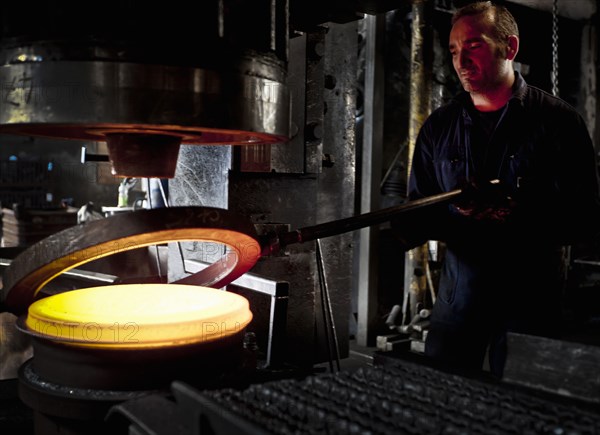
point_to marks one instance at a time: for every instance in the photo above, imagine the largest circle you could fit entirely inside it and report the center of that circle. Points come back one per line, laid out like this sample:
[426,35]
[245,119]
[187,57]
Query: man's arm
[567,198]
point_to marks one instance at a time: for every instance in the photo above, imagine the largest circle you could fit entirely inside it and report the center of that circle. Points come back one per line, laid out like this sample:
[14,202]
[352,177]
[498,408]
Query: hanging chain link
[554,74]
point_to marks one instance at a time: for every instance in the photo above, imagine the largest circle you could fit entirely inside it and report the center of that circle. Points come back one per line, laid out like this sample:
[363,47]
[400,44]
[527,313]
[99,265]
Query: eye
[474,45]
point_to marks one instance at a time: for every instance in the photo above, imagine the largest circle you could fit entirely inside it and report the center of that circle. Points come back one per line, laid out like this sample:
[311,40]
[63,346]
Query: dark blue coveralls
[505,276]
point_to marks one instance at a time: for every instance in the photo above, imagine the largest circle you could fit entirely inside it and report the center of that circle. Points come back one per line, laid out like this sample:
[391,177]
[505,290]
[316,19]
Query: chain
[554,73]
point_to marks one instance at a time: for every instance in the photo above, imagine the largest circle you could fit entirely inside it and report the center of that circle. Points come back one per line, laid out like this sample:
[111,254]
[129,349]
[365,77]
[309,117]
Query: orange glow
[138,316]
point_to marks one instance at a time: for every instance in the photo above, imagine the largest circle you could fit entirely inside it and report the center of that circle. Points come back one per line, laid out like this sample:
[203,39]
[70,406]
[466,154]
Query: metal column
[420,107]
[371,177]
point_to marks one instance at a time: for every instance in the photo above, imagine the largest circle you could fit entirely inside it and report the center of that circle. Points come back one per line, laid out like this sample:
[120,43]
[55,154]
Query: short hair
[504,23]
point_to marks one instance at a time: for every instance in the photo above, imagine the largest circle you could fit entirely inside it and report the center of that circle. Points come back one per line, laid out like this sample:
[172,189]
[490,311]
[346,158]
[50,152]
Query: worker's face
[478,59]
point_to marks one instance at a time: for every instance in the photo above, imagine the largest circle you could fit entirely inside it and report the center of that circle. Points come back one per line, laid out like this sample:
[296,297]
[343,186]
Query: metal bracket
[278,291]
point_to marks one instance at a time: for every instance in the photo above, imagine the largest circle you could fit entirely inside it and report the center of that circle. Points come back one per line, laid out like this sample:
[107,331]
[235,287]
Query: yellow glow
[138,315]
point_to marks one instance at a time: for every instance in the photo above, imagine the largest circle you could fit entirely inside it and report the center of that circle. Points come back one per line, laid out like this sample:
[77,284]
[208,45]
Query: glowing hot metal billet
[133,316]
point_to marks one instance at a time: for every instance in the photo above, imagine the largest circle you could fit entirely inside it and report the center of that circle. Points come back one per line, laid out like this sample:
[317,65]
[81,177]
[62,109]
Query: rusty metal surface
[42,262]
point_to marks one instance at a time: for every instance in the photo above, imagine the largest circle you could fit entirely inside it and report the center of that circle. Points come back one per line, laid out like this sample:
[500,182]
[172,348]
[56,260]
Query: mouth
[466,74]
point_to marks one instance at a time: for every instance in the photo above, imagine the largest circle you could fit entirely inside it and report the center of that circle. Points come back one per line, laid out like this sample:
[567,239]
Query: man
[502,270]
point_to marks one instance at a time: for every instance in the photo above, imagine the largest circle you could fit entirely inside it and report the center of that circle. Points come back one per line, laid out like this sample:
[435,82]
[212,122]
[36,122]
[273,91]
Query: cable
[554,73]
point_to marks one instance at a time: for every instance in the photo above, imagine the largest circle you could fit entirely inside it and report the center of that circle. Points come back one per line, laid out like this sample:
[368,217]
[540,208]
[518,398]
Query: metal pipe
[84,275]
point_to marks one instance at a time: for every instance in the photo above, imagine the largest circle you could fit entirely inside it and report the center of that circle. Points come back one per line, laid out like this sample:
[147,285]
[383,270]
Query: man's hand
[485,201]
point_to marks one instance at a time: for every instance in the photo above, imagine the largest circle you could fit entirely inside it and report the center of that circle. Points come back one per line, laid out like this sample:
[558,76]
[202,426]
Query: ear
[512,47]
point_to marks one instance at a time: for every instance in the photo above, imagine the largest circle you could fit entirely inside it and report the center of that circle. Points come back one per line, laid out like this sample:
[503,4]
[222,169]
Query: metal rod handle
[345,225]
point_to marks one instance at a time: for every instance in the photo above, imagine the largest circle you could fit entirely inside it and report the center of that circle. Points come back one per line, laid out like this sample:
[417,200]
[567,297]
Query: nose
[463,59]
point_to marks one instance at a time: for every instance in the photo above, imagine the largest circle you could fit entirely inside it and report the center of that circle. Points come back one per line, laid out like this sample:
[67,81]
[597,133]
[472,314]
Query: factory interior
[200,207]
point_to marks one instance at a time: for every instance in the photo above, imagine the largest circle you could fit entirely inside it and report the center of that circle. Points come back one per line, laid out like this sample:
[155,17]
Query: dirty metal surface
[406,398]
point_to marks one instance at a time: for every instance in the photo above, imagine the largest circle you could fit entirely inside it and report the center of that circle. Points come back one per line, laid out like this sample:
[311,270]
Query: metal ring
[44,261]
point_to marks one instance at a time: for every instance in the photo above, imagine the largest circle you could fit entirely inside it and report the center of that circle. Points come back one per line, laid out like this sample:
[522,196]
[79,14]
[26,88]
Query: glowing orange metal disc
[131,316]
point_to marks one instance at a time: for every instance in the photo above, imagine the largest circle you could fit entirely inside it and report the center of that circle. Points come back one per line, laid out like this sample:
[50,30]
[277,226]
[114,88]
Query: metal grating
[410,399]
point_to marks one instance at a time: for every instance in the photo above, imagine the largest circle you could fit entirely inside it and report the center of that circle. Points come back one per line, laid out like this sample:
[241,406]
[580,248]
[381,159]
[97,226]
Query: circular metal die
[67,401]
[137,154]
[80,100]
[244,104]
[137,369]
